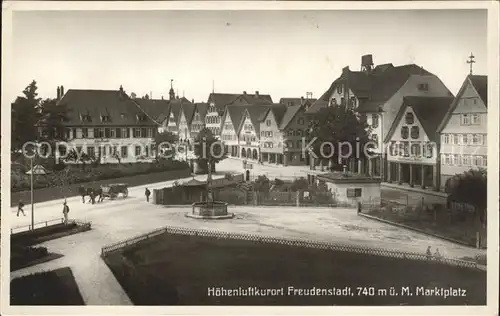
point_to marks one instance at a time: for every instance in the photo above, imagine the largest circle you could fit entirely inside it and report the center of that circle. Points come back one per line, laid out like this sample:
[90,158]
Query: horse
[92,193]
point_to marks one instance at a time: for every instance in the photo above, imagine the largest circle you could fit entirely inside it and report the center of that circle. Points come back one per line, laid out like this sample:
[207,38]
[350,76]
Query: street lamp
[38,170]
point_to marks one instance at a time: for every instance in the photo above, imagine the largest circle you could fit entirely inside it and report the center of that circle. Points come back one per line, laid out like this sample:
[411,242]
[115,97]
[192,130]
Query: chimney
[62,91]
[58,93]
[301,100]
[366,63]
[162,97]
[244,92]
[192,101]
[257,93]
[345,69]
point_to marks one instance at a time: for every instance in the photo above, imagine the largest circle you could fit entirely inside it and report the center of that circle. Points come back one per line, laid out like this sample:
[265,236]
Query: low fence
[291,242]
[20,229]
[53,193]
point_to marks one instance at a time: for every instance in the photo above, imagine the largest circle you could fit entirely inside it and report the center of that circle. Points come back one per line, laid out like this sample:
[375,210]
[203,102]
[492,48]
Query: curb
[418,230]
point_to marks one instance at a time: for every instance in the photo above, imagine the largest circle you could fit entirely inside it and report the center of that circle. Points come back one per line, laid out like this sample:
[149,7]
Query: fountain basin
[210,210]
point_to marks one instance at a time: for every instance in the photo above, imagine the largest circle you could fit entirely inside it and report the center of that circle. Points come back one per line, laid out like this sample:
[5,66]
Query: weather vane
[471,61]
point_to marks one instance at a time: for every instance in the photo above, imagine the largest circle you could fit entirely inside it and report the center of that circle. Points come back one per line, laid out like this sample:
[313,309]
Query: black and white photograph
[240,155]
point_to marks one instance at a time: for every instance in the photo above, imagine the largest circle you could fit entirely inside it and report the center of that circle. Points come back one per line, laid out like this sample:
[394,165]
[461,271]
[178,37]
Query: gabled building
[184,123]
[230,123]
[157,109]
[174,114]
[248,131]
[378,92]
[271,139]
[108,125]
[217,103]
[463,130]
[198,120]
[414,143]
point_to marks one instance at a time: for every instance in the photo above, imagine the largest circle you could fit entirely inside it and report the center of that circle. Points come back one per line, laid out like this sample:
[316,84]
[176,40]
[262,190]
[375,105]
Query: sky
[281,53]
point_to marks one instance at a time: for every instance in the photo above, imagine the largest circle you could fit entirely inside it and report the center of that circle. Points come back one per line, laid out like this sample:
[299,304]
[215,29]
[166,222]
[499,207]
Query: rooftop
[347,177]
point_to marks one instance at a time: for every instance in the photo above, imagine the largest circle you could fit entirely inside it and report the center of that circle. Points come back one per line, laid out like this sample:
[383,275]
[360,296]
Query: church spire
[471,61]
[171,92]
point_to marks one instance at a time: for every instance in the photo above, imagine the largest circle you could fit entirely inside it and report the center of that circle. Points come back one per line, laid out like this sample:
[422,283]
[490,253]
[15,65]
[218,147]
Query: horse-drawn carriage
[108,190]
[112,190]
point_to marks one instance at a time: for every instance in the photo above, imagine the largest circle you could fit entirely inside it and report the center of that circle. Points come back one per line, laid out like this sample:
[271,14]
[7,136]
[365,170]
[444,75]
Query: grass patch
[39,235]
[25,256]
[57,287]
[179,270]
[462,231]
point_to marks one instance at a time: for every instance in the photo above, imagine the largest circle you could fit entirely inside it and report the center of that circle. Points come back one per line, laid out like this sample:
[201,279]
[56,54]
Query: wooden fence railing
[291,242]
[19,229]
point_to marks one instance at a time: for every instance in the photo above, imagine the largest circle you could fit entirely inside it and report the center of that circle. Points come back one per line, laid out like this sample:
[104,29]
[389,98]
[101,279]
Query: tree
[299,184]
[25,113]
[164,151]
[82,157]
[208,149]
[262,184]
[335,125]
[52,118]
[470,188]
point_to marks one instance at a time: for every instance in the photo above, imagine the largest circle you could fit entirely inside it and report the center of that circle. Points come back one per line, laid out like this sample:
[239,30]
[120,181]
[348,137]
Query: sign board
[38,169]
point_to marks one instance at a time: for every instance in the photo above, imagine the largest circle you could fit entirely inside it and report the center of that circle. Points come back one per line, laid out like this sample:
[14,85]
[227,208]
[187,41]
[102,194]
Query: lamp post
[39,170]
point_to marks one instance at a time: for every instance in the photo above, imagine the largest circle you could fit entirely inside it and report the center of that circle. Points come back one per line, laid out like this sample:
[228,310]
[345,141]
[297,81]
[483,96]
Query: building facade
[107,125]
[413,142]
[463,131]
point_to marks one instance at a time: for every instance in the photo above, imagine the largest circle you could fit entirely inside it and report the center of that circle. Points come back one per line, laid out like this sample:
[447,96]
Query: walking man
[65,213]
[359,207]
[20,208]
[429,253]
[147,193]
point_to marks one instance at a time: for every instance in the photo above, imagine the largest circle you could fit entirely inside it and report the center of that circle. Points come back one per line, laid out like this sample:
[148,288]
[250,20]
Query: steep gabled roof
[291,112]
[316,106]
[175,107]
[221,100]
[156,109]
[188,110]
[235,114]
[278,111]
[480,83]
[430,112]
[374,88]
[121,109]
[202,108]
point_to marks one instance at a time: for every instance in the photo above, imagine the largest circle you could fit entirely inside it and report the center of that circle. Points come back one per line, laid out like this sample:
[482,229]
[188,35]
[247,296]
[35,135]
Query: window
[423,87]
[112,132]
[469,138]
[456,159]
[268,123]
[447,159]
[476,140]
[401,150]
[298,144]
[374,120]
[124,151]
[455,139]
[107,133]
[137,151]
[464,139]
[91,151]
[404,132]
[105,118]
[415,150]
[465,119]
[446,138]
[342,101]
[339,89]
[125,133]
[301,121]
[150,132]
[144,132]
[353,192]
[478,161]
[85,132]
[333,101]
[485,159]
[409,118]
[137,132]
[415,132]
[429,150]
[476,119]
[62,150]
[466,160]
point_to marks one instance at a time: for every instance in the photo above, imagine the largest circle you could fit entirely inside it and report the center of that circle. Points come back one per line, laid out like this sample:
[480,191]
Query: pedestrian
[429,253]
[359,207]
[92,197]
[20,208]
[65,212]
[82,192]
[147,193]
[437,254]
